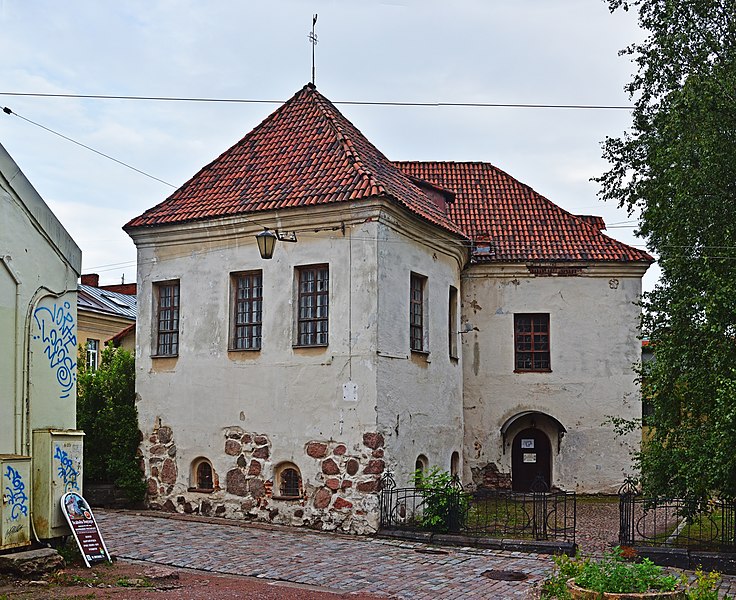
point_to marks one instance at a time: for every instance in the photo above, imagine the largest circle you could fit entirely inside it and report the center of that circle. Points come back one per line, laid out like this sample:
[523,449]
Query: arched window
[288,481]
[422,463]
[455,464]
[420,468]
[202,476]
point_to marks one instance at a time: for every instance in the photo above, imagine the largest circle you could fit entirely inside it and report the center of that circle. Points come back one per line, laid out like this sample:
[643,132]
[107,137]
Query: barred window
[288,481]
[531,342]
[313,305]
[247,310]
[417,329]
[167,318]
[202,476]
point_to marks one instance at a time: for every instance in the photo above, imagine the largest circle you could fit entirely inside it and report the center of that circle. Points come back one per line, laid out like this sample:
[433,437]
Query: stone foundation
[339,483]
[488,477]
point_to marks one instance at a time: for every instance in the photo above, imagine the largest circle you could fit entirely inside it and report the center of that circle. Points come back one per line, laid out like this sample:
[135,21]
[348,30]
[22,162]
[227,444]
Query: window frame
[531,350]
[174,322]
[452,328]
[194,476]
[92,365]
[312,336]
[253,308]
[279,472]
[418,331]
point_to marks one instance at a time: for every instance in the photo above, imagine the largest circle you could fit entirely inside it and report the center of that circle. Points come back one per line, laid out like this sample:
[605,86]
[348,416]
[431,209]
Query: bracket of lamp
[266,240]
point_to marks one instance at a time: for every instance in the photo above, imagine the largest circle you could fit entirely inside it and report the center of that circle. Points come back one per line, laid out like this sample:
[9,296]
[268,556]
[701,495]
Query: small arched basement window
[202,476]
[455,464]
[288,481]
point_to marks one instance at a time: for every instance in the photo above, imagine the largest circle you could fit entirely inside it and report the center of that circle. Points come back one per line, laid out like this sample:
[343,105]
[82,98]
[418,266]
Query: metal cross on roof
[313,39]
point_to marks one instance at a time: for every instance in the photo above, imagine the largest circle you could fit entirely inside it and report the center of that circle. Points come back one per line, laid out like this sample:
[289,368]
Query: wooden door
[531,455]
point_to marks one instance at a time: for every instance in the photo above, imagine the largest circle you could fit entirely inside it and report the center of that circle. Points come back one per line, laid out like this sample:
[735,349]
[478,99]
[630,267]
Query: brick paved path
[342,563]
[398,569]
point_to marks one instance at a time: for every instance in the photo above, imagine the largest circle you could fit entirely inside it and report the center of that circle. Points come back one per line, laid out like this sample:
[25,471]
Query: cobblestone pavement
[392,568]
[348,564]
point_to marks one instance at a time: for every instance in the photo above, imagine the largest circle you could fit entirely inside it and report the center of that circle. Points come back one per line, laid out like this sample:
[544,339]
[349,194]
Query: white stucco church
[412,314]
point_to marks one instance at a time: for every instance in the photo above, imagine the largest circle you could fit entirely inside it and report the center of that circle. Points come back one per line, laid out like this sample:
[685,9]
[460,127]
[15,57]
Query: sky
[464,51]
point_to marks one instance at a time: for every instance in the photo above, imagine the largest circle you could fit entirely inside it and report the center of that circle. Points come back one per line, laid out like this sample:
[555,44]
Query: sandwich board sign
[84,527]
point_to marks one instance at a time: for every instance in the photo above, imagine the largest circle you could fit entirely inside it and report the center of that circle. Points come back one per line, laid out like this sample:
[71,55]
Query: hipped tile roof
[513,221]
[305,153]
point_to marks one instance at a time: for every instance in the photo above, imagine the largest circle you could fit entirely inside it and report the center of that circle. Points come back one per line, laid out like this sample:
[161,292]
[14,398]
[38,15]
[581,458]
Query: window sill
[201,490]
[420,352]
[243,349]
[532,370]
[164,356]
[298,347]
[287,498]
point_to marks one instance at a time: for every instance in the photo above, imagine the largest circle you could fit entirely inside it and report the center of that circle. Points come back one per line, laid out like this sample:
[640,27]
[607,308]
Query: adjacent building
[412,315]
[40,453]
[105,316]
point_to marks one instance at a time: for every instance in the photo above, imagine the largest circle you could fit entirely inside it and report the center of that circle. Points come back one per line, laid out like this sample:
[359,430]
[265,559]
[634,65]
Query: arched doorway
[531,455]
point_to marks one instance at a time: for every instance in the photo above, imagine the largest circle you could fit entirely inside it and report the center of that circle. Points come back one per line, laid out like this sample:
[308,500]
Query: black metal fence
[673,523]
[537,515]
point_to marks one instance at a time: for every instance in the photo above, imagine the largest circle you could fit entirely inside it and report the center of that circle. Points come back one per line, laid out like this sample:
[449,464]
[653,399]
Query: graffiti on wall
[15,494]
[56,326]
[65,469]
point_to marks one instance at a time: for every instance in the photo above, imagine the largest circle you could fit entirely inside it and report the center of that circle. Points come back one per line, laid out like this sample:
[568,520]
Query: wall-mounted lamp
[266,240]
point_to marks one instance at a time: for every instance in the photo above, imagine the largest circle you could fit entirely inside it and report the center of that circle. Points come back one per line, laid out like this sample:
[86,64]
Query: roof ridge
[345,142]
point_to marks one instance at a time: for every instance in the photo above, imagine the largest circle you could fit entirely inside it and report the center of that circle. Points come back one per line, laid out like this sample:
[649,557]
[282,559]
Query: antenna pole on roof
[313,39]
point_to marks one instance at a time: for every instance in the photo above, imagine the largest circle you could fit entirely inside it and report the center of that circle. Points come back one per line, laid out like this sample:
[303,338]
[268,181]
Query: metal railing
[537,515]
[675,523]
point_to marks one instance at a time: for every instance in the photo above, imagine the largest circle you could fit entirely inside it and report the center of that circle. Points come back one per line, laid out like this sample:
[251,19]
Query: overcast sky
[488,51]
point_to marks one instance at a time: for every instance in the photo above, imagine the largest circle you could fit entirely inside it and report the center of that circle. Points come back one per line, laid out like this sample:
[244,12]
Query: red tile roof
[305,153]
[513,221]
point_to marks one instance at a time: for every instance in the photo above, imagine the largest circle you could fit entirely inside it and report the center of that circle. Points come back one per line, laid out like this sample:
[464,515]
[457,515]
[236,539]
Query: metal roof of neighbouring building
[106,301]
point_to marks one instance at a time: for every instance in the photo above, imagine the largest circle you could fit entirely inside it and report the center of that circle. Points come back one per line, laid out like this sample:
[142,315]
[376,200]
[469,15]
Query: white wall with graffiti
[39,268]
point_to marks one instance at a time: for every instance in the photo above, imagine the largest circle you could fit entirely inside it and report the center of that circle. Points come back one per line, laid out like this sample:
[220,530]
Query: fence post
[626,496]
[454,505]
[539,490]
[387,485]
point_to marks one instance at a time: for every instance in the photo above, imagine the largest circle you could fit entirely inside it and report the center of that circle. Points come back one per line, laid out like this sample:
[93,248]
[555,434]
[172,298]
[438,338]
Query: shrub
[107,413]
[445,505]
[613,574]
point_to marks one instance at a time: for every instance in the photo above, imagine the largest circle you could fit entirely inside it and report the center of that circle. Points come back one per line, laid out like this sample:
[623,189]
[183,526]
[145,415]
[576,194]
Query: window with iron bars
[313,305]
[167,317]
[247,310]
[416,313]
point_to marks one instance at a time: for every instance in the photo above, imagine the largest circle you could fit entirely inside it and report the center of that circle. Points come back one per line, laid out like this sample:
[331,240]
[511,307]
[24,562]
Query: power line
[7,111]
[343,102]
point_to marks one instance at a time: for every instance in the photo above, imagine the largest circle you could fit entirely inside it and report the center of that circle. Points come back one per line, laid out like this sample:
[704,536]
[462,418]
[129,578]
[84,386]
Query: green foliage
[445,505]
[677,168]
[107,413]
[705,586]
[613,574]
[566,567]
